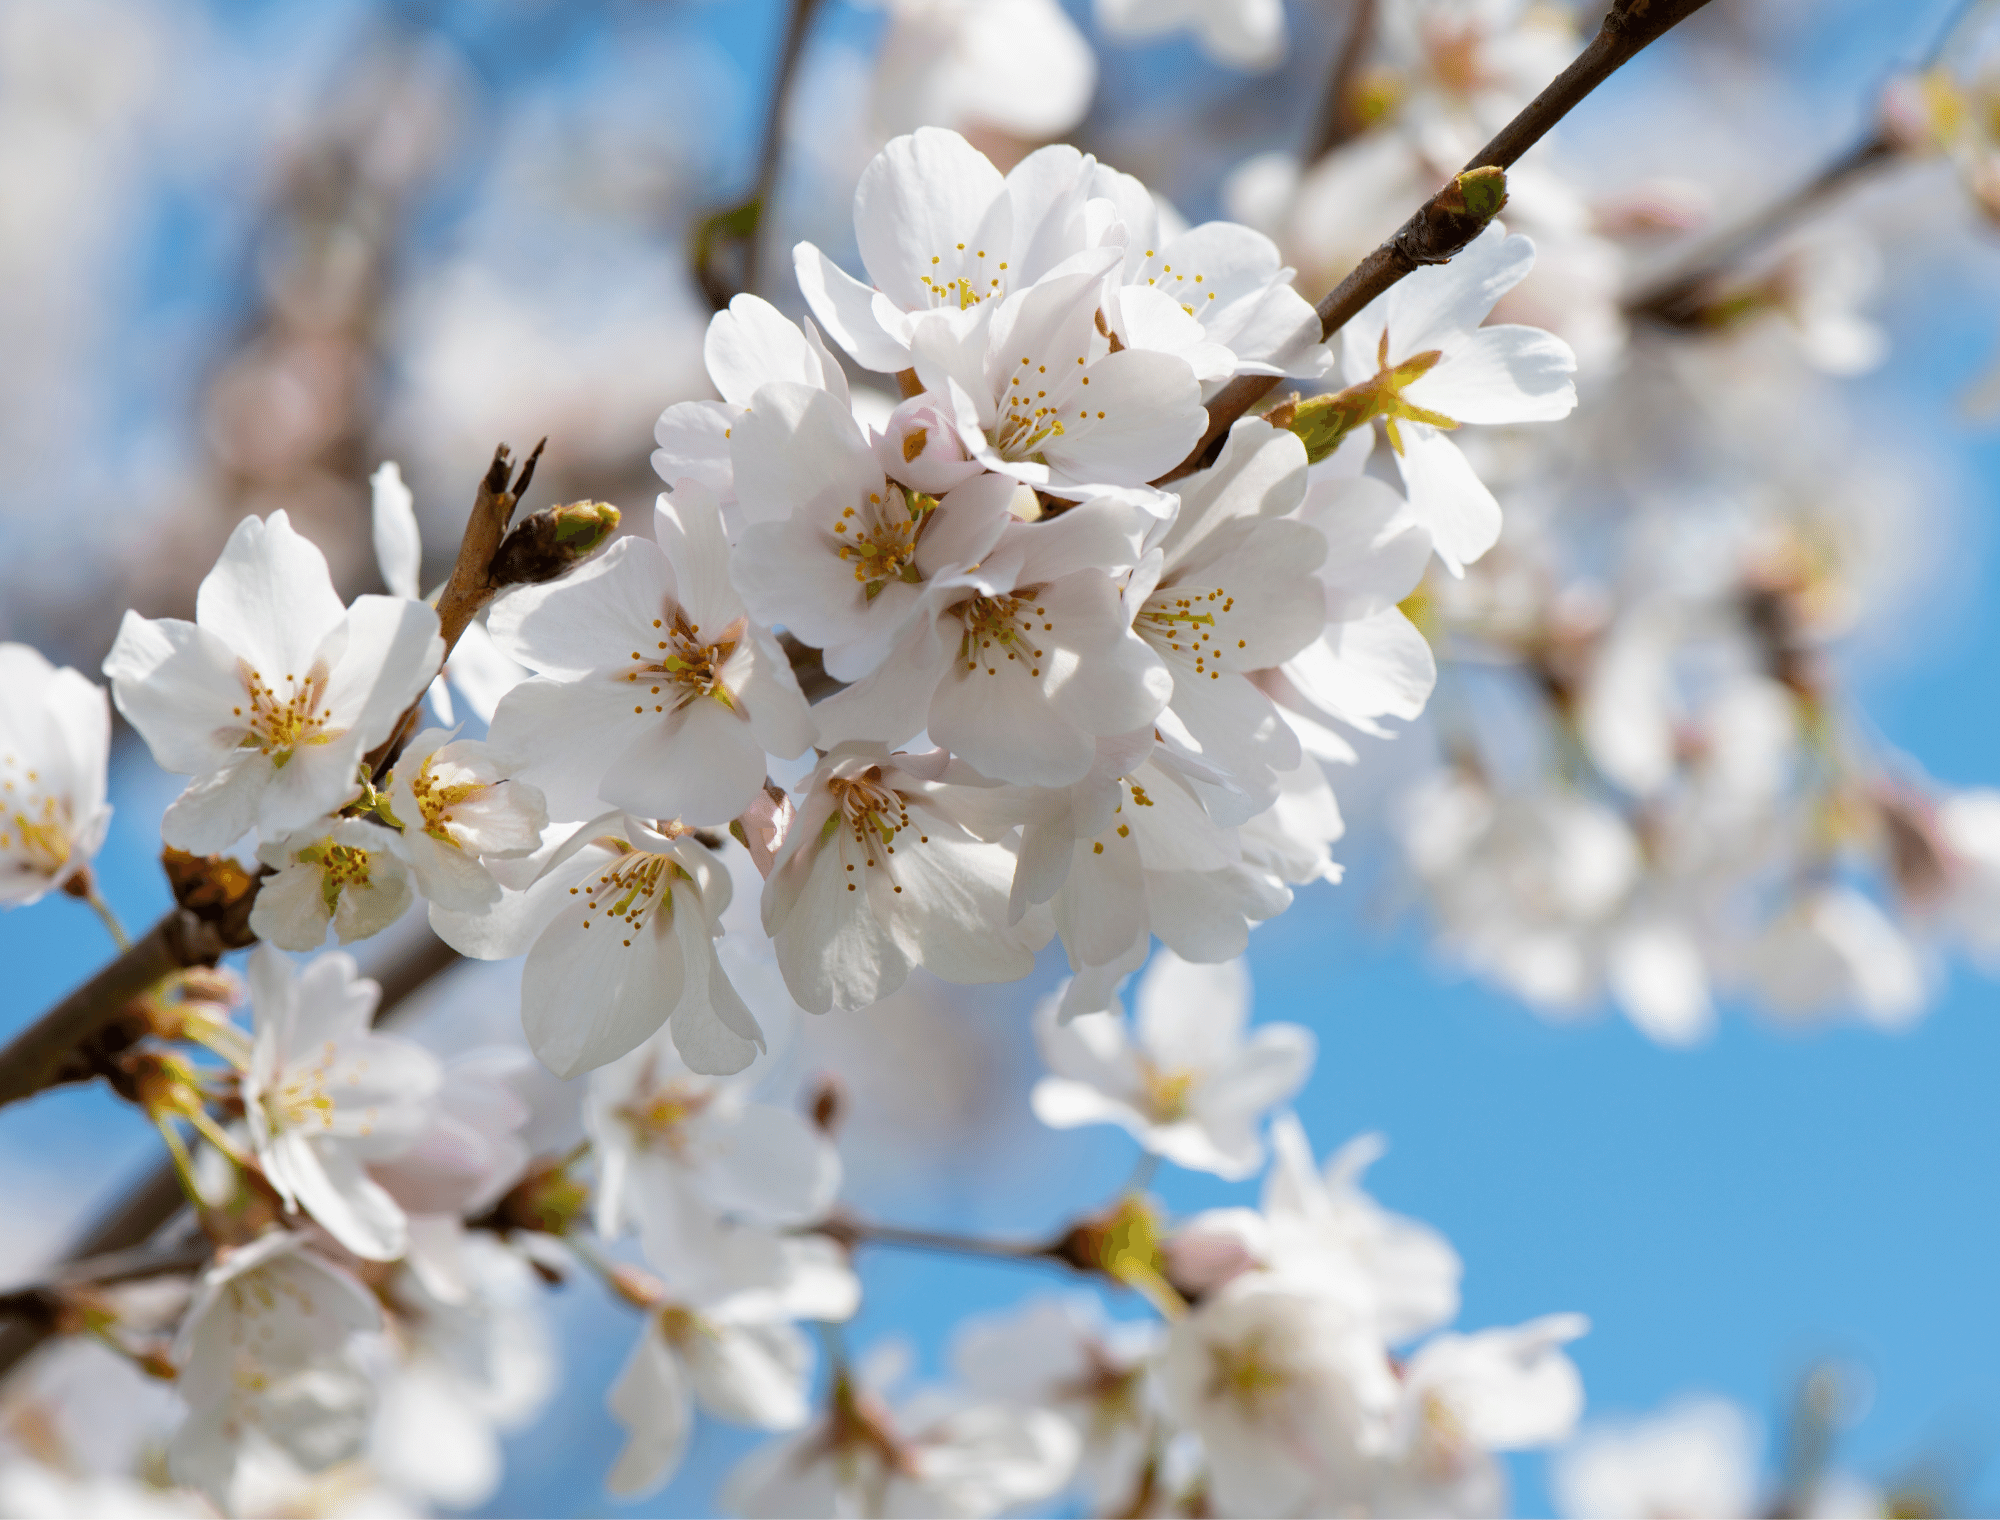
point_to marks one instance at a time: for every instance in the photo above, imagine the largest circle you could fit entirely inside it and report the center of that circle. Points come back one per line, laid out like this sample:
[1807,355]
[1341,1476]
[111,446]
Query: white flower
[1321,1224]
[749,344]
[748,1373]
[1063,1355]
[1015,66]
[1527,887]
[266,1351]
[1835,948]
[1289,1388]
[1218,294]
[272,695]
[467,1371]
[935,1456]
[620,931]
[1967,824]
[1233,592]
[1465,1397]
[1431,367]
[1039,392]
[672,1144]
[324,1096]
[1369,661]
[1190,1088]
[469,1153]
[1243,34]
[1019,664]
[838,554]
[339,871]
[655,693]
[878,874]
[938,227]
[1697,1457]
[458,807]
[55,742]
[1128,852]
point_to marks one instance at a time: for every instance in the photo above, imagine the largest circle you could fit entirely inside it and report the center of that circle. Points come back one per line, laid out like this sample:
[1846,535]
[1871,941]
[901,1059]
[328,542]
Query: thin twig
[471,585]
[742,227]
[851,1232]
[1441,228]
[1340,120]
[1678,299]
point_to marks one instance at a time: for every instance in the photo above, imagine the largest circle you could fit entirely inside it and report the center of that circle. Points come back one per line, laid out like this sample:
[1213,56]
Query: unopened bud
[1478,193]
[548,1199]
[829,1103]
[548,543]
[164,1085]
[156,1365]
[638,1288]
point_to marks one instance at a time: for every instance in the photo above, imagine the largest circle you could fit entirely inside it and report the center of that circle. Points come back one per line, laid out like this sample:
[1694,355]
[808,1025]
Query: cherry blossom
[1020,664]
[655,628]
[266,1355]
[1244,34]
[934,1455]
[55,743]
[458,809]
[1185,1082]
[324,1096]
[339,871]
[839,553]
[1427,367]
[850,912]
[272,695]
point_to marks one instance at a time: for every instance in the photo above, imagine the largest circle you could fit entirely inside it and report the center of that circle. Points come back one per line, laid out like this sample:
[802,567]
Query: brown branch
[1341,118]
[1441,227]
[737,231]
[157,1198]
[40,1055]
[471,585]
[1679,299]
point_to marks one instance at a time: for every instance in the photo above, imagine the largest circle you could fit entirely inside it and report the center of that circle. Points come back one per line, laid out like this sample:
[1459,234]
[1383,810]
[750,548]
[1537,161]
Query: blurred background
[251,248]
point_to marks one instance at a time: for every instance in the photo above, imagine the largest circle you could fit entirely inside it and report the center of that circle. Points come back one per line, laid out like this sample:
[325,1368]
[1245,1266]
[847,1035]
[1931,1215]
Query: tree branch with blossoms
[1452,218]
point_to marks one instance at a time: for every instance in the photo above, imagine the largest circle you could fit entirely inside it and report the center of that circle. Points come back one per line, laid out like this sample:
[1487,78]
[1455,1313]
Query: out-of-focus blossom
[1185,1081]
[55,742]
[1242,34]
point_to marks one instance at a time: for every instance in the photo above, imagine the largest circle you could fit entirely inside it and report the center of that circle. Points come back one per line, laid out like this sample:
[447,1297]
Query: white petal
[399,549]
[270,597]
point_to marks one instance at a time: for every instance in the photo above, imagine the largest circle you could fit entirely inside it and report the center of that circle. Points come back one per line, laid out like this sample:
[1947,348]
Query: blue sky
[1725,1216]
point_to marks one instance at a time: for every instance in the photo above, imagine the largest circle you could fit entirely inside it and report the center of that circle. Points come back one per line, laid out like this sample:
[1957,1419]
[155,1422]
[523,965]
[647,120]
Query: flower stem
[109,919]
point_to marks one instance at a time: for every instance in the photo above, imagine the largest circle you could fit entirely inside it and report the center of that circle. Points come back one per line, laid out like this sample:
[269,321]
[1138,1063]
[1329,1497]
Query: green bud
[1480,192]
[1323,421]
[545,544]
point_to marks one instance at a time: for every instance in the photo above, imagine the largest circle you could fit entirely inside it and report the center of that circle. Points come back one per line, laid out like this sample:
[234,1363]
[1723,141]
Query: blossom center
[301,1100]
[872,815]
[340,866]
[965,289]
[997,626]
[277,725]
[1184,285]
[1029,415]
[879,540]
[34,825]
[1188,624]
[687,663]
[1166,1092]
[630,889]
[1247,1374]
[436,799]
[660,1119]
